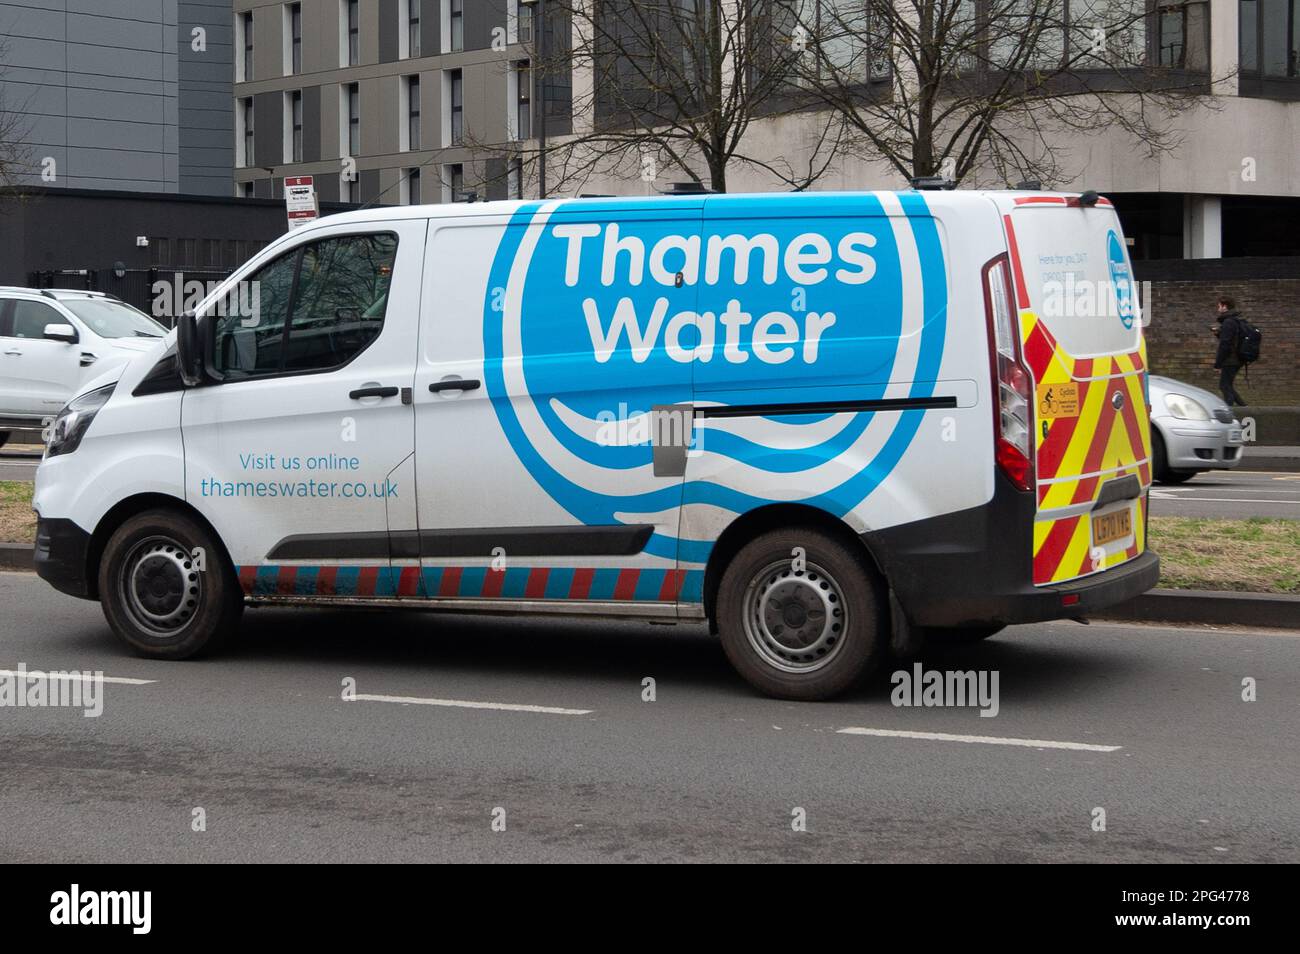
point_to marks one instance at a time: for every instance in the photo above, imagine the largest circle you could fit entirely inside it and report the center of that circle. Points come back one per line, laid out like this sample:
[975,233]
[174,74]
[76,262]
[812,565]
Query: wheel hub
[161,586]
[795,619]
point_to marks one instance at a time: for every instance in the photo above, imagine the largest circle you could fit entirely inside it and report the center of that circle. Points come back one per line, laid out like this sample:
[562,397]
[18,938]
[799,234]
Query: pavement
[1144,722]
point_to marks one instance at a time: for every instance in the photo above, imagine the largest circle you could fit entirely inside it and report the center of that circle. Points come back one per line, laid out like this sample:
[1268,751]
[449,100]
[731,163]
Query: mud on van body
[814,420]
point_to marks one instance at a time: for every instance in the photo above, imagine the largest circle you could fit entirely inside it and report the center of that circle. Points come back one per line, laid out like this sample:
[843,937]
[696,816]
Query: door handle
[465,384]
[14,351]
[379,392]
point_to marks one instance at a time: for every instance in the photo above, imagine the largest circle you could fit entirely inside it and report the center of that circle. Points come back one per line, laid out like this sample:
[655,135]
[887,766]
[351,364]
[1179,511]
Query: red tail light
[1012,385]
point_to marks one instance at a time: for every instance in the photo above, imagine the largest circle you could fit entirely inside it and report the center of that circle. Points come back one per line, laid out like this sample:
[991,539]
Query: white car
[1192,431]
[52,340]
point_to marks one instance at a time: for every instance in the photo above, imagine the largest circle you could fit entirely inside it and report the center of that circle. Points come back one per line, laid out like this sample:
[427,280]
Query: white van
[822,422]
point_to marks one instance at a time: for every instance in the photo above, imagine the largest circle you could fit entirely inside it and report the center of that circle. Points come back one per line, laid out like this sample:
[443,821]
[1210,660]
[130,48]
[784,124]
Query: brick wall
[1180,344]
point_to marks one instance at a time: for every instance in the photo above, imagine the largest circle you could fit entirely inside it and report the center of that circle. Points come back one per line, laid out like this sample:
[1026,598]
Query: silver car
[1192,430]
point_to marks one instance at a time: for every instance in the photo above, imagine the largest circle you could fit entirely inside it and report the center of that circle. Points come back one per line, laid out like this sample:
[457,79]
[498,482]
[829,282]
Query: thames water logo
[77,907]
[583,312]
[1120,279]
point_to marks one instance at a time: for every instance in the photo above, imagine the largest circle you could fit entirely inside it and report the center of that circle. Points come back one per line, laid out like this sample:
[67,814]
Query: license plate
[1109,527]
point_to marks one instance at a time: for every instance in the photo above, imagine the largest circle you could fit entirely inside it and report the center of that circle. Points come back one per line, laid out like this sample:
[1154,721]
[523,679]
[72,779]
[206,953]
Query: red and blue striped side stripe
[630,584]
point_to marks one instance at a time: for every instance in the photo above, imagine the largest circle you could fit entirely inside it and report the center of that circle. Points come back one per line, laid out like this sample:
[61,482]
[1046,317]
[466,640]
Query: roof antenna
[1088,199]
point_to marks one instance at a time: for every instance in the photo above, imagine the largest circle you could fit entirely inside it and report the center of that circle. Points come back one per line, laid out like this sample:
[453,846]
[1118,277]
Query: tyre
[1160,468]
[965,635]
[155,596]
[802,632]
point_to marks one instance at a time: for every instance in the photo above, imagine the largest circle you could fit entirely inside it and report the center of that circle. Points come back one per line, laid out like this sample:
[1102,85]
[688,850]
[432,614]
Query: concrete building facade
[391,101]
[121,94]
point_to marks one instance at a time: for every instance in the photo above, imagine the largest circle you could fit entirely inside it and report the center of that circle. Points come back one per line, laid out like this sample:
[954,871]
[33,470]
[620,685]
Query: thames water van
[824,423]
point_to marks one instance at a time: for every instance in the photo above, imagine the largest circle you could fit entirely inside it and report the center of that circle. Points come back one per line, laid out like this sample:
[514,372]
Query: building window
[246,42]
[453,178]
[293,39]
[413,112]
[527,17]
[456,24]
[246,131]
[354,119]
[293,153]
[413,28]
[353,32]
[523,105]
[456,93]
[413,187]
[1269,40]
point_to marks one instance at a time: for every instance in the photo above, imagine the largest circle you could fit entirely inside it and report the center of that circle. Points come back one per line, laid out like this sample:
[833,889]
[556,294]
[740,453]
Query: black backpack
[1248,341]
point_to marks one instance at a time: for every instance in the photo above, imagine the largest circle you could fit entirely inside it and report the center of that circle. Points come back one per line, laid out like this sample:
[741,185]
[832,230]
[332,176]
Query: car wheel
[801,614]
[1160,469]
[167,588]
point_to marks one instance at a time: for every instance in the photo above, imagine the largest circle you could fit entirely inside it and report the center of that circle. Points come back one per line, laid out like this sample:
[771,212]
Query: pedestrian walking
[1227,358]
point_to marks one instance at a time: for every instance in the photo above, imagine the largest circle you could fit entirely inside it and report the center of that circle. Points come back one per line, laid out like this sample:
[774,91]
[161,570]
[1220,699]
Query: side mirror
[62,332]
[189,350]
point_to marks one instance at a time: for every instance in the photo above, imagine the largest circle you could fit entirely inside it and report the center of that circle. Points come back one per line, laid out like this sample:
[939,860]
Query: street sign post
[300,200]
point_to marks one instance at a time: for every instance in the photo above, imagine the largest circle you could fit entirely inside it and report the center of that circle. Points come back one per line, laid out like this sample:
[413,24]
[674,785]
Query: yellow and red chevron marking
[1076,455]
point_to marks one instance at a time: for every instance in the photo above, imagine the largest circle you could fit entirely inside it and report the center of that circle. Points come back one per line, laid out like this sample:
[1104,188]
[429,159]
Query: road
[1230,495]
[285,770]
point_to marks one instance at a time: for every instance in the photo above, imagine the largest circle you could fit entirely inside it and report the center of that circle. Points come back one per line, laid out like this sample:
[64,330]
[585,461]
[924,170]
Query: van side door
[296,455]
[543,359]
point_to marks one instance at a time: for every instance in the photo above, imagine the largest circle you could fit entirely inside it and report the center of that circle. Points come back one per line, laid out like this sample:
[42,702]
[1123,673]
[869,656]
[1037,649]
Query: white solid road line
[985,739]
[467,704]
[76,677]
[1164,496]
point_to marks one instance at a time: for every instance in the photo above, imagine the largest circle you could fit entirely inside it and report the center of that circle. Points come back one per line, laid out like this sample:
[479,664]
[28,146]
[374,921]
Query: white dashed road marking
[468,704]
[76,677]
[985,739]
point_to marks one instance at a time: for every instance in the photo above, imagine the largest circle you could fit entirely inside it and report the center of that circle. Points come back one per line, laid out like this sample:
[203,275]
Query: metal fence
[161,292]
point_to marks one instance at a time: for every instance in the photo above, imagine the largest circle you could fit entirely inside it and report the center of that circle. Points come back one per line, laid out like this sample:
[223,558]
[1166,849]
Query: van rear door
[1082,342]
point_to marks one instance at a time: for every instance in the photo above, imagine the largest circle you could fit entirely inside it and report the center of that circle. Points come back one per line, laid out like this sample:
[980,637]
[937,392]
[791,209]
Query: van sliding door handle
[458,384]
[372,392]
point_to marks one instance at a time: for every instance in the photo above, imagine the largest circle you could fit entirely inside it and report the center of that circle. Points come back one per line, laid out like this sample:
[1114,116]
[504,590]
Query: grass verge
[17,522]
[1257,555]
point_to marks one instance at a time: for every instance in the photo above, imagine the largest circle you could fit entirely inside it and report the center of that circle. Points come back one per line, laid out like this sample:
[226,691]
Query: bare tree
[15,154]
[669,89]
[996,89]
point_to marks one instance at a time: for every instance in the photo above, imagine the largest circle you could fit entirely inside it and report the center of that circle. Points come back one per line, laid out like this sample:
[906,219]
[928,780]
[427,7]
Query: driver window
[333,295]
[250,331]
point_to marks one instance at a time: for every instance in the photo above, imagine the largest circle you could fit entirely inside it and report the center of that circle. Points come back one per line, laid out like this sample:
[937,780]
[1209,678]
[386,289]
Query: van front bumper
[975,568]
[60,556]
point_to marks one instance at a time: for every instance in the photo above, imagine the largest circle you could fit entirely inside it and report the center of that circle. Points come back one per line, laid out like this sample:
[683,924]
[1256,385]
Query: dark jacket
[1229,330]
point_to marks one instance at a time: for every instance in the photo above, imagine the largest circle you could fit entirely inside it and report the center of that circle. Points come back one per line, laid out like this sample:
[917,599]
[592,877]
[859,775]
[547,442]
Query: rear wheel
[801,614]
[167,589]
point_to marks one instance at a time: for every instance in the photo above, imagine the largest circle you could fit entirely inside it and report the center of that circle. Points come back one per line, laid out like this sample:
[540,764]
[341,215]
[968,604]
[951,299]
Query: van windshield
[113,319]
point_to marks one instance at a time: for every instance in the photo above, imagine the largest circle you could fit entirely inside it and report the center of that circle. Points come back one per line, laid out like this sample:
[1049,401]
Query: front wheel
[167,589]
[801,615]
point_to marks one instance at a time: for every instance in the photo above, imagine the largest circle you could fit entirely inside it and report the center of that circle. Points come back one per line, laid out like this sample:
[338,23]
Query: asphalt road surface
[1146,723]
[1230,495]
